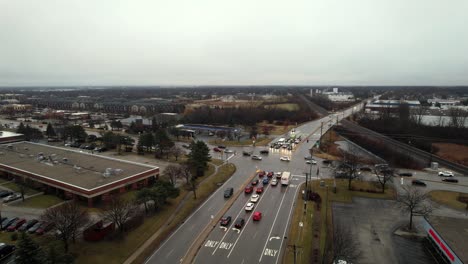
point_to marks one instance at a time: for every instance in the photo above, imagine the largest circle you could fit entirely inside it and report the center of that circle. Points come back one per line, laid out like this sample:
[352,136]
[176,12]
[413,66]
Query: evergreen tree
[50,132]
[28,251]
[199,156]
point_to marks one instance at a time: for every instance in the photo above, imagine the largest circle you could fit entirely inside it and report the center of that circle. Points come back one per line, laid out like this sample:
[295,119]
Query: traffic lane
[176,246]
[268,233]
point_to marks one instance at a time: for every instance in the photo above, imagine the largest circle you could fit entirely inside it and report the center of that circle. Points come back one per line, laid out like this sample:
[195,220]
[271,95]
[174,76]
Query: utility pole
[321,129]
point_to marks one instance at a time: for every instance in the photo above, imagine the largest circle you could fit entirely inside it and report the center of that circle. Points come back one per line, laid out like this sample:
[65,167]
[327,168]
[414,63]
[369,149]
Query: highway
[257,241]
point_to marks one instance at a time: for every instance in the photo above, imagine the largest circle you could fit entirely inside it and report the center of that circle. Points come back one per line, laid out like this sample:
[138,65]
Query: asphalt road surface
[260,241]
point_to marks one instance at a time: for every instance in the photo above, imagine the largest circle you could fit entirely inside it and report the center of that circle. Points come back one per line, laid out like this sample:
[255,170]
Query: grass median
[40,201]
[449,199]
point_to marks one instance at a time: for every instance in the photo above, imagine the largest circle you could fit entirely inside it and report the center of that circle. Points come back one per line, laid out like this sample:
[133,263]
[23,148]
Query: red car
[225,221]
[16,225]
[257,216]
[217,150]
[270,174]
[248,189]
[255,182]
[44,228]
[259,189]
[261,174]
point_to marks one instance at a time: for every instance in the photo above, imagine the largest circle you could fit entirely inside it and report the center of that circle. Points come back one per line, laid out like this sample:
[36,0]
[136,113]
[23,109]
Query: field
[453,152]
[288,107]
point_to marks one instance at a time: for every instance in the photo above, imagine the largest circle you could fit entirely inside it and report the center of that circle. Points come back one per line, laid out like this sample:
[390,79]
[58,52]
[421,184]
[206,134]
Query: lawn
[40,201]
[117,251]
[16,188]
[217,162]
[449,199]
[287,107]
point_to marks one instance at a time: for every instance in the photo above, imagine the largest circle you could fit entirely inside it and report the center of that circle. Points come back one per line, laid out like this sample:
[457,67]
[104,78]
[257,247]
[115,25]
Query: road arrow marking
[275,237]
[235,229]
[223,227]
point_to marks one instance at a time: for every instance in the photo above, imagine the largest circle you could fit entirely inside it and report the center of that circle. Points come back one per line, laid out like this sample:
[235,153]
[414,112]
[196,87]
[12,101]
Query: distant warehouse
[72,174]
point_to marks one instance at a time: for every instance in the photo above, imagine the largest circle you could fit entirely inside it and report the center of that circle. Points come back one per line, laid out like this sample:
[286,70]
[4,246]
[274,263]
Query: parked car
[225,221]
[6,250]
[228,192]
[36,226]
[100,149]
[257,216]
[5,193]
[450,180]
[285,158]
[248,189]
[8,222]
[254,198]
[405,174]
[264,151]
[27,225]
[228,151]
[15,225]
[255,157]
[221,147]
[418,183]
[247,153]
[14,196]
[312,161]
[45,227]
[239,223]
[446,174]
[249,206]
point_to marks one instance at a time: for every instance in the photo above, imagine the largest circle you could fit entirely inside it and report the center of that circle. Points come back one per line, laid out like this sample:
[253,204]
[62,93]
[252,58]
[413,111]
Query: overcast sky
[230,42]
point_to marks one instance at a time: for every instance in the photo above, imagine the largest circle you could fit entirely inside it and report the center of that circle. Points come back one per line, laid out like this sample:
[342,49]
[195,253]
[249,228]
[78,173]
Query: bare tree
[172,173]
[457,117]
[351,160]
[176,151]
[345,245]
[119,211]
[68,218]
[415,202]
[186,173]
[417,114]
[384,176]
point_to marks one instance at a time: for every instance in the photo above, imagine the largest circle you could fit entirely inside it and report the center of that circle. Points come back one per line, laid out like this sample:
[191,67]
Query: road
[275,205]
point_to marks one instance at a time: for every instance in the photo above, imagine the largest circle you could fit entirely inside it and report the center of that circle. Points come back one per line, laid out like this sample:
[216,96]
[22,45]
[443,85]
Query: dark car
[5,193]
[265,181]
[15,225]
[75,145]
[221,147]
[8,222]
[217,150]
[418,183]
[264,152]
[259,190]
[270,174]
[228,192]
[247,153]
[450,180]
[248,189]
[28,225]
[255,182]
[239,223]
[405,174]
[44,228]
[225,221]
[100,149]
[6,250]
[35,227]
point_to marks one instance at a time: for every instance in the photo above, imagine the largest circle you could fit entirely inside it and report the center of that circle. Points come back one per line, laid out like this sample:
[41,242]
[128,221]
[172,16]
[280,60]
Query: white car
[285,158]
[256,157]
[311,162]
[249,206]
[228,151]
[446,174]
[274,182]
[254,198]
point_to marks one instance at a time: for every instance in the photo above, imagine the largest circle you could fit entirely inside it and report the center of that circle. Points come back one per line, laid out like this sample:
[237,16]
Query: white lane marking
[287,224]
[274,221]
[270,252]
[225,245]
[207,200]
[275,237]
[247,221]
[211,243]
[169,253]
[224,228]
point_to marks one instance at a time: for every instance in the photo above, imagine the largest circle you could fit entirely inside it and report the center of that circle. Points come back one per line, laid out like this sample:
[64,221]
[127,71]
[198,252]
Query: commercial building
[72,174]
[10,137]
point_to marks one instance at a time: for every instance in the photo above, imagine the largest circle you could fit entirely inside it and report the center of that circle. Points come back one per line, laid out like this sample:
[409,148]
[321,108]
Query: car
[12,197]
[5,193]
[211,134]
[228,192]
[15,225]
[6,250]
[221,147]
[405,174]
[256,157]
[308,157]
[8,222]
[285,158]
[254,198]
[265,181]
[239,223]
[228,151]
[75,145]
[187,146]
[247,153]
[100,149]
[28,225]
[44,228]
[278,175]
[418,183]
[249,206]
[248,189]
[255,182]
[313,162]
[261,174]
[259,190]
[225,221]
[216,150]
[34,228]
[446,174]
[264,151]
[270,174]
[257,216]
[274,182]
[450,180]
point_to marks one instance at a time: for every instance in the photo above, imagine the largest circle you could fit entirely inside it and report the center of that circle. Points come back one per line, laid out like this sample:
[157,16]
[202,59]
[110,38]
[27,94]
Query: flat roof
[82,170]
[454,231]
[7,134]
